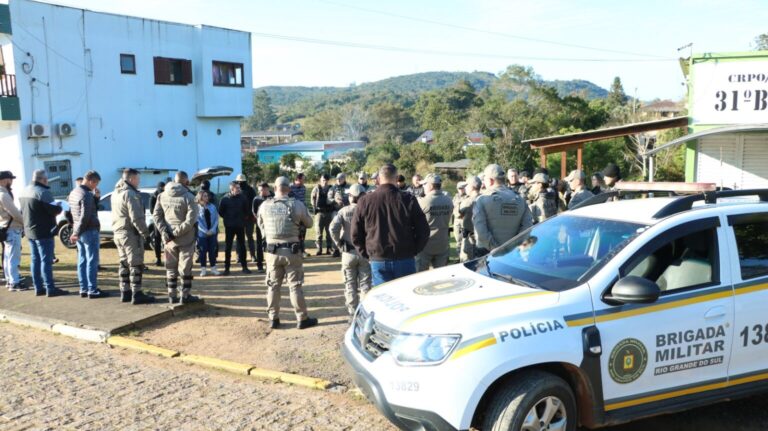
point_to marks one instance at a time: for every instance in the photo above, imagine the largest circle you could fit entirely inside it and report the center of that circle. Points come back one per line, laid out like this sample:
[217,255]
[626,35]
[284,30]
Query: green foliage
[263,116]
[251,167]
[616,95]
[289,160]
[761,42]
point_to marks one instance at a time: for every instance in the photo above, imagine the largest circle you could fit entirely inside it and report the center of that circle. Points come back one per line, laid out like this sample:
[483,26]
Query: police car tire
[511,403]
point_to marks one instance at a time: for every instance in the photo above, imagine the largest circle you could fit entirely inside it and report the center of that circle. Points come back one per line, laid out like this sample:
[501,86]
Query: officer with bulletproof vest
[339,193]
[500,213]
[438,208]
[543,198]
[323,209]
[466,205]
[461,193]
[175,217]
[130,227]
[280,219]
[355,269]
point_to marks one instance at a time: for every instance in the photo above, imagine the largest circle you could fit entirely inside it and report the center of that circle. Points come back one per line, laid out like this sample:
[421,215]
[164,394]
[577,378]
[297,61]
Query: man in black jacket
[250,194]
[389,228]
[39,222]
[234,210]
[157,239]
[264,194]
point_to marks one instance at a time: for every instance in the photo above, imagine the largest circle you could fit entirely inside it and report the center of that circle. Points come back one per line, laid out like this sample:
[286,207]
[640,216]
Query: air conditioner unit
[66,129]
[39,130]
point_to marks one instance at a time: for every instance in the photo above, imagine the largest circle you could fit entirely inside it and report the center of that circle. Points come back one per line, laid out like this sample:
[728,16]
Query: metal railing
[7,85]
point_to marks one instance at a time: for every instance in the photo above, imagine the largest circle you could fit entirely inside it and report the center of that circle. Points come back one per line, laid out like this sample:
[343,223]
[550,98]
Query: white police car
[601,315]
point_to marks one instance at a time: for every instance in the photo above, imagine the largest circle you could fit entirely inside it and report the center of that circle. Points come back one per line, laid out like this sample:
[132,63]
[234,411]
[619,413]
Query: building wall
[267,156]
[118,117]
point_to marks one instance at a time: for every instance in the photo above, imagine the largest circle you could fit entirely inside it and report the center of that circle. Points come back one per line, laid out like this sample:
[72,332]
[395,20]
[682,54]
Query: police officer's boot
[186,296]
[125,287]
[173,292]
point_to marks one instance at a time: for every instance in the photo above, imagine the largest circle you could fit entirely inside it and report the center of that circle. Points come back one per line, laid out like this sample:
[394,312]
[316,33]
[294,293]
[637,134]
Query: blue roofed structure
[315,151]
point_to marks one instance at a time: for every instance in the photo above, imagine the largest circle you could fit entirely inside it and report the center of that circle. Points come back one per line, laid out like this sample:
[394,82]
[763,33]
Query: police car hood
[443,300]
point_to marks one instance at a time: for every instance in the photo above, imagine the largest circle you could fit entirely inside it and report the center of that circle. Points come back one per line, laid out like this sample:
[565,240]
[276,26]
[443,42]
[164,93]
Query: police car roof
[645,211]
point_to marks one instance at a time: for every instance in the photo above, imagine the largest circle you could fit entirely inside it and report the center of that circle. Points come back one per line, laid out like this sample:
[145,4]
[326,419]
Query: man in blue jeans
[85,232]
[39,213]
[12,222]
[389,229]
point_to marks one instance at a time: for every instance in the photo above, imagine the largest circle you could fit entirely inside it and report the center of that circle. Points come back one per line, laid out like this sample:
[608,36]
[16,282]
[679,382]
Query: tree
[263,114]
[289,160]
[761,42]
[616,96]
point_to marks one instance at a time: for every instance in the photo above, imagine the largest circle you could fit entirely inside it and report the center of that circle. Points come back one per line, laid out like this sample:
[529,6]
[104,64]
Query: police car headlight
[417,349]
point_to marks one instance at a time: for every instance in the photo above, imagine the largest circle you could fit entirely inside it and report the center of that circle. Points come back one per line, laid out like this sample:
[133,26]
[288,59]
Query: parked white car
[601,315]
[105,214]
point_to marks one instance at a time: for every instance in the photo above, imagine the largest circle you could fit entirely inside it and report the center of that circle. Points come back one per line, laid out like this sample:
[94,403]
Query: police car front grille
[378,341]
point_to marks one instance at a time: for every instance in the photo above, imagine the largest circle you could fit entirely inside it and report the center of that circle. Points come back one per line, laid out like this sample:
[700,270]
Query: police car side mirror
[634,290]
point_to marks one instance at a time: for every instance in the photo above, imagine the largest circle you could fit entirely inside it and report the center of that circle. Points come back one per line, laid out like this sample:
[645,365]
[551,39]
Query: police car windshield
[558,253]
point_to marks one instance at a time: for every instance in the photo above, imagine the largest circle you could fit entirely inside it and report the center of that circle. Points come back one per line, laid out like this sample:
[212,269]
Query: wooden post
[578,156]
[563,164]
[542,158]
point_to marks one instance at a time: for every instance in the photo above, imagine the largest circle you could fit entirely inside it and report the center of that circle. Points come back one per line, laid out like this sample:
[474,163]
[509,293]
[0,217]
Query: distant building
[474,139]
[84,90]
[427,137]
[662,109]
[314,151]
[249,141]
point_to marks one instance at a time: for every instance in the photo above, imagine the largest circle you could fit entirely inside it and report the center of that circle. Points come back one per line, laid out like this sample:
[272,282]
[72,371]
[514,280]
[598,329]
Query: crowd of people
[381,231]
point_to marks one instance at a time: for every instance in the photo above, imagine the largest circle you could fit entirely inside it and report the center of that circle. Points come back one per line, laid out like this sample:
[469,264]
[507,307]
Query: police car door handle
[715,312]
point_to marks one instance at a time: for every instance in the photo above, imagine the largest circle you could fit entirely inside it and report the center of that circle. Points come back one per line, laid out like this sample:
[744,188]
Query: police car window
[752,243]
[558,253]
[680,263]
[105,204]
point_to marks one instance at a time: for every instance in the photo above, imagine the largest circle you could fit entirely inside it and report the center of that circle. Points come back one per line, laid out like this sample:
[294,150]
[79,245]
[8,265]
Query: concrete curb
[294,379]
[219,364]
[55,326]
[138,346]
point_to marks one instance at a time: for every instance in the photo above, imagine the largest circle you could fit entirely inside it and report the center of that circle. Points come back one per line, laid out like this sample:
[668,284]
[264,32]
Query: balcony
[9,103]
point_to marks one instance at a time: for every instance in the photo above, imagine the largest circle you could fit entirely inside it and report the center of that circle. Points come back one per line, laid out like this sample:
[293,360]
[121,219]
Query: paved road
[50,382]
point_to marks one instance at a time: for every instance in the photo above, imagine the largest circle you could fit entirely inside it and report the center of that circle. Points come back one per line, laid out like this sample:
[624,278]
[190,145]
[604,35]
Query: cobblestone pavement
[50,382]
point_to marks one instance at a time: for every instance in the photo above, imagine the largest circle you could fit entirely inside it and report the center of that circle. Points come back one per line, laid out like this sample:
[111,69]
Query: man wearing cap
[249,193]
[323,209]
[468,239]
[499,214]
[264,194]
[175,217]
[461,193]
[40,213]
[234,210]
[416,188]
[12,222]
[130,227]
[280,219]
[437,207]
[299,192]
[362,179]
[543,198]
[389,229]
[611,175]
[338,195]
[579,193]
[355,269]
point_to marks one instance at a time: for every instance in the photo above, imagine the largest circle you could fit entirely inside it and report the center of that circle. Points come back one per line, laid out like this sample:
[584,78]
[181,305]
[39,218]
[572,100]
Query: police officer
[280,219]
[339,193]
[323,209]
[355,269]
[543,198]
[362,180]
[130,227]
[250,221]
[438,208]
[579,193]
[175,217]
[500,213]
[467,203]
[461,189]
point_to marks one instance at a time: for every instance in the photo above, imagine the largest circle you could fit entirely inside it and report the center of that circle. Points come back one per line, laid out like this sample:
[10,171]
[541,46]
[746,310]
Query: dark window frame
[126,71]
[165,68]
[236,66]
[744,219]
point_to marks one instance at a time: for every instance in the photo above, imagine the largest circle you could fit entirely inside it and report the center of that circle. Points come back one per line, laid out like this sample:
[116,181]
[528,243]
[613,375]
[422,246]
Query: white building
[84,90]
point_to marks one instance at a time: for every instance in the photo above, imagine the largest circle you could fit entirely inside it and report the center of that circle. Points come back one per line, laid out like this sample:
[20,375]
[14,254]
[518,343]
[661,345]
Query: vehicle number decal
[404,386]
[755,335]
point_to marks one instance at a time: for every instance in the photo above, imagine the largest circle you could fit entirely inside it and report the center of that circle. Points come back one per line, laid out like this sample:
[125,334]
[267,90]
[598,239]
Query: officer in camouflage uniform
[355,269]
[339,193]
[499,214]
[130,227]
[461,193]
[543,198]
[579,193]
[464,211]
[280,219]
[175,217]
[438,208]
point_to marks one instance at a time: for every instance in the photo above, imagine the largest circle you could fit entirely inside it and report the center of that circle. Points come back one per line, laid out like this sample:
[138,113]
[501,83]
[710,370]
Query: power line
[345,44]
[494,33]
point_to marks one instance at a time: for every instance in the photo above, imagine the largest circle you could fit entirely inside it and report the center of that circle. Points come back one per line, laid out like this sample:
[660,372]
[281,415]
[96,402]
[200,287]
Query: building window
[128,63]
[227,74]
[751,241]
[173,71]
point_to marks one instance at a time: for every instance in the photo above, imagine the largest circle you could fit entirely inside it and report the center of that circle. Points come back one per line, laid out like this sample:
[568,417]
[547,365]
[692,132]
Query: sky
[307,42]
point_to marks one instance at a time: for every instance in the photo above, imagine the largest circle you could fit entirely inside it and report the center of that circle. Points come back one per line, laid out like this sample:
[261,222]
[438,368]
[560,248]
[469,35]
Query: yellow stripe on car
[474,304]
[474,347]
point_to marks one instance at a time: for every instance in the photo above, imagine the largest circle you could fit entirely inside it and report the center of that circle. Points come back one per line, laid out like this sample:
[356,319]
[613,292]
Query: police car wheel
[64,233]
[533,401]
